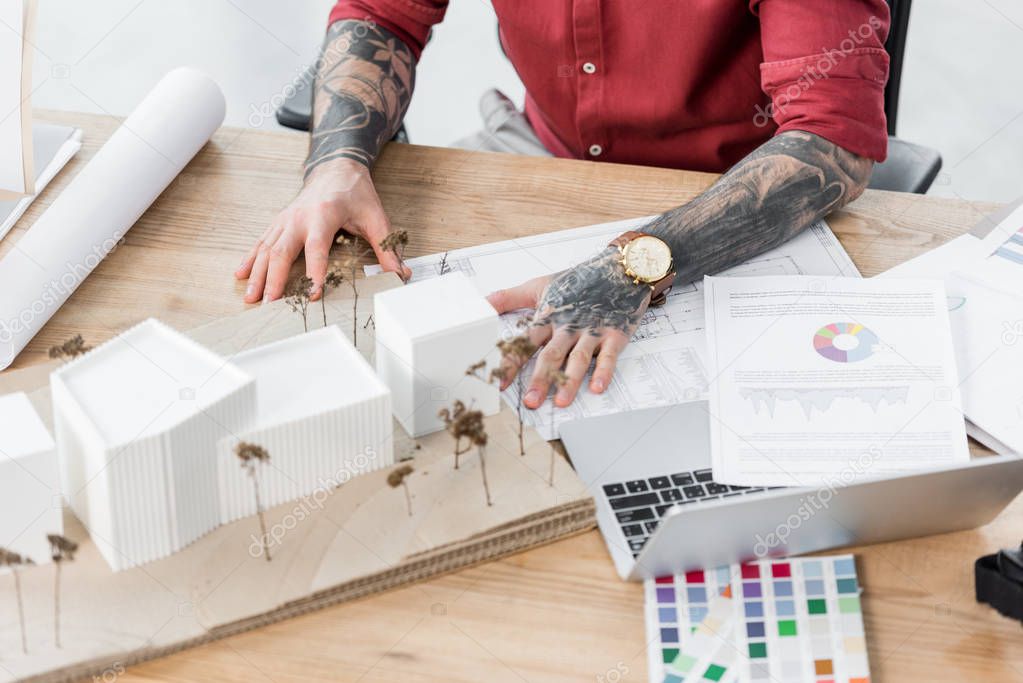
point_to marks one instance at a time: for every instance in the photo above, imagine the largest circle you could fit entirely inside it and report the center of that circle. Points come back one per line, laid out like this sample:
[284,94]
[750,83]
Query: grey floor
[962,86]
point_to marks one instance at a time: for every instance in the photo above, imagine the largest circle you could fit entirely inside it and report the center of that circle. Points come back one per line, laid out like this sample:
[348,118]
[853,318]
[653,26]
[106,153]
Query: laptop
[661,512]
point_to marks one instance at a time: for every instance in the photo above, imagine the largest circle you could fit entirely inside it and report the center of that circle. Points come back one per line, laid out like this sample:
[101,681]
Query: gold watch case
[646,259]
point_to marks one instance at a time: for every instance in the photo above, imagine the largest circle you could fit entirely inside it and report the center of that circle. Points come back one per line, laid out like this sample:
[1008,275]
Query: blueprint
[666,363]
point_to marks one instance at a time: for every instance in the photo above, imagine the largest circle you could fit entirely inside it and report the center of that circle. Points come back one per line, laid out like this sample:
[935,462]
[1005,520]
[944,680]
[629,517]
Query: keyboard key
[651,527]
[704,475]
[638,486]
[614,489]
[716,488]
[671,495]
[659,482]
[637,545]
[682,479]
[738,488]
[695,491]
[638,500]
[638,515]
[661,509]
[633,529]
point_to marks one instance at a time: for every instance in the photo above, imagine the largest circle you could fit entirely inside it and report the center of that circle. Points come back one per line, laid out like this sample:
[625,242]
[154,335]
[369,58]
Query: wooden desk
[557,613]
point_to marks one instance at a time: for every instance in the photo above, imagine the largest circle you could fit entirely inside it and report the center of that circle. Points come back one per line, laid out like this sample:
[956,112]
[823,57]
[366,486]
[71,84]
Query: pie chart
[845,342]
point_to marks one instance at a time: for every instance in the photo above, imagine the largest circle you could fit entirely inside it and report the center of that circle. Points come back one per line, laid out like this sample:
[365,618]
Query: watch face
[648,258]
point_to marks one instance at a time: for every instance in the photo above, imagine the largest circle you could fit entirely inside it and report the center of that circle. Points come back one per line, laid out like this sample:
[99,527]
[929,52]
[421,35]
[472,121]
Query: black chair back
[896,48]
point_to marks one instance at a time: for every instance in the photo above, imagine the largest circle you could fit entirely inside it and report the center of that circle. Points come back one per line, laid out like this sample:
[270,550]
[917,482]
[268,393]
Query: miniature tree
[250,456]
[478,438]
[464,423]
[14,562]
[457,426]
[298,296]
[72,348]
[61,550]
[333,280]
[350,246]
[399,477]
[396,243]
[558,380]
[515,352]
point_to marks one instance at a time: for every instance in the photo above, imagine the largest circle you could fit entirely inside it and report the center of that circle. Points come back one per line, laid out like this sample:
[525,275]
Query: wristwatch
[647,259]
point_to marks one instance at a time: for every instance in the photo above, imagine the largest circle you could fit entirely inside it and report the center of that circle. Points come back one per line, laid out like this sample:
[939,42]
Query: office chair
[297,111]
[908,168]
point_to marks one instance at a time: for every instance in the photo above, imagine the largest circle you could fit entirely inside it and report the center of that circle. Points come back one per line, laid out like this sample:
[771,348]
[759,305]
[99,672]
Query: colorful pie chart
[845,342]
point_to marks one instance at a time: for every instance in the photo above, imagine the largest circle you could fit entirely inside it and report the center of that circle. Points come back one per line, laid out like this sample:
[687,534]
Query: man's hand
[590,309]
[337,196]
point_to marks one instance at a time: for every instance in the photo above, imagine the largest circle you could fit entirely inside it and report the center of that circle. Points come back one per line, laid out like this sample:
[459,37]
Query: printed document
[666,362]
[821,381]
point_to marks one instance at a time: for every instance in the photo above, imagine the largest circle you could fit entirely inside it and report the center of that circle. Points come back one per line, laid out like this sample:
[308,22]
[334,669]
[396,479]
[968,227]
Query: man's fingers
[526,295]
[575,369]
[611,346]
[377,228]
[510,367]
[245,267]
[257,274]
[550,359]
[282,255]
[317,251]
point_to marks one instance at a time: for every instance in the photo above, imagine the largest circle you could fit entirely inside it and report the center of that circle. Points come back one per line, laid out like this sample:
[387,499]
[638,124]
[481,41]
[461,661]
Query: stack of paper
[789,620]
[818,381]
[983,278]
[52,147]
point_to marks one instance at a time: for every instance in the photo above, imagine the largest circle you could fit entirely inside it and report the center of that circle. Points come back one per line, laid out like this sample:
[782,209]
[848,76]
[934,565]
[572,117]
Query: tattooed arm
[364,82]
[782,187]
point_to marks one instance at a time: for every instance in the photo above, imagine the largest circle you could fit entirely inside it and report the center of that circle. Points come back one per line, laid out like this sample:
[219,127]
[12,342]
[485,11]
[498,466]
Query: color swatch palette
[778,620]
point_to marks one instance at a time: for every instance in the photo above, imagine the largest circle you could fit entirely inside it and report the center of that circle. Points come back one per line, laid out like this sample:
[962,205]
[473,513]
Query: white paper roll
[88,219]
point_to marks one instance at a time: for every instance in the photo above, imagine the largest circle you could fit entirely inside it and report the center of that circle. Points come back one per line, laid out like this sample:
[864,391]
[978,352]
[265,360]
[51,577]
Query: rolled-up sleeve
[825,69]
[410,20]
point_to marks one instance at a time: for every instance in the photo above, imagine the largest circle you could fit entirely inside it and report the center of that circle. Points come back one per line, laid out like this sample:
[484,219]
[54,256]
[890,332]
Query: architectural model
[321,413]
[137,423]
[427,334]
[30,502]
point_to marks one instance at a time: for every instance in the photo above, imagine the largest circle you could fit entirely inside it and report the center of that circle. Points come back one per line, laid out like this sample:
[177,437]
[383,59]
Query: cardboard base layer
[352,537]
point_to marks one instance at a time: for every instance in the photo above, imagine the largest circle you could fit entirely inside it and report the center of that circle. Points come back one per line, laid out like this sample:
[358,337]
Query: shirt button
[590,67]
[596,150]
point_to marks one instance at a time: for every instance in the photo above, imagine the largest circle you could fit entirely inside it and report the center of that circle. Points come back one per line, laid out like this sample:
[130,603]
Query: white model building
[30,501]
[321,413]
[137,422]
[427,334]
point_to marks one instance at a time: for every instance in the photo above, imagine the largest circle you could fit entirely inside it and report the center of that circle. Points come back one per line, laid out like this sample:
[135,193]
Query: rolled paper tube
[98,207]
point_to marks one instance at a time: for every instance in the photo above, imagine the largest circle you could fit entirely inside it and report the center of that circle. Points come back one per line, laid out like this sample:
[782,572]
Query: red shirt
[691,84]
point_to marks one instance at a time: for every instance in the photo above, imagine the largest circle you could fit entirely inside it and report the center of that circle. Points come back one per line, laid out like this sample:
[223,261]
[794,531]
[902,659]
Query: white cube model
[137,423]
[30,501]
[427,334]
[322,415]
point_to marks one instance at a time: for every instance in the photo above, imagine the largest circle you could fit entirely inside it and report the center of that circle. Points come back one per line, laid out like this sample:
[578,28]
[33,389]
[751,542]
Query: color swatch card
[795,620]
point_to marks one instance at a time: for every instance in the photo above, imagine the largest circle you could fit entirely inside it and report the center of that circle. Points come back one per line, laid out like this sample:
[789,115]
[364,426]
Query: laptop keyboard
[640,504]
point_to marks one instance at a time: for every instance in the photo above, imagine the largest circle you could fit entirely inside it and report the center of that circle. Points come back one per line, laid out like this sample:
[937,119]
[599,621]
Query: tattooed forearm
[363,86]
[770,196]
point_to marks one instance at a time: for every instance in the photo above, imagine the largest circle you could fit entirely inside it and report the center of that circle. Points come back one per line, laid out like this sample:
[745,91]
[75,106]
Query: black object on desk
[999,581]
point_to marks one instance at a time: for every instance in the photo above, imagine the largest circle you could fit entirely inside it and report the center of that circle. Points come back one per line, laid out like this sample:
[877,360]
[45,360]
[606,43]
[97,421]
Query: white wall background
[962,89]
